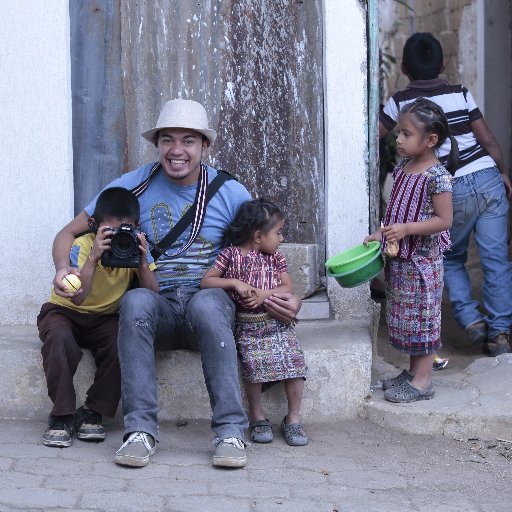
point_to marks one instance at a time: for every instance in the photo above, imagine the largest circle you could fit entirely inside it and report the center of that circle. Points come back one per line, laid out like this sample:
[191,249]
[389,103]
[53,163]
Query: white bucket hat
[182,114]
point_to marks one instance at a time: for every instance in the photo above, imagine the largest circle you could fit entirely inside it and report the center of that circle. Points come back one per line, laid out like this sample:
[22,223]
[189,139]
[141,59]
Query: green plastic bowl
[353,258]
[365,272]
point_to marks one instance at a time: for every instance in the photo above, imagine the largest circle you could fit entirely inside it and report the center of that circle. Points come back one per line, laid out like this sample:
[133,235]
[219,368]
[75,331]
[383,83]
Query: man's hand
[283,306]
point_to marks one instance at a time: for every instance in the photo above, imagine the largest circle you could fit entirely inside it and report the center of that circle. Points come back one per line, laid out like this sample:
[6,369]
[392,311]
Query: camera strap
[194,215]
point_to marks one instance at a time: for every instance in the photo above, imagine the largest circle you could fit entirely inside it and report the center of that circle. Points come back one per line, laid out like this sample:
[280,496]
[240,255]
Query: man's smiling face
[180,151]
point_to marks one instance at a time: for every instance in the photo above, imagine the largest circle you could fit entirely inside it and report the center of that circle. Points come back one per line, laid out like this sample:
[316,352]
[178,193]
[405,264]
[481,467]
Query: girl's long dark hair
[258,214]
[432,116]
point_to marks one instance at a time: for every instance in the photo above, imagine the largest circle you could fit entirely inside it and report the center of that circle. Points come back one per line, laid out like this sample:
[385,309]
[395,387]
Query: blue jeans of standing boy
[480,204]
[186,318]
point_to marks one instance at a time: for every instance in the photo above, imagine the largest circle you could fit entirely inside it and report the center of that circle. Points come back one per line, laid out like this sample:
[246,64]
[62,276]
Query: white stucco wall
[346,144]
[471,55]
[35,149]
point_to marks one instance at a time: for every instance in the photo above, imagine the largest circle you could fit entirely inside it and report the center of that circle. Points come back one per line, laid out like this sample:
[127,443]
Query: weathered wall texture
[35,148]
[256,66]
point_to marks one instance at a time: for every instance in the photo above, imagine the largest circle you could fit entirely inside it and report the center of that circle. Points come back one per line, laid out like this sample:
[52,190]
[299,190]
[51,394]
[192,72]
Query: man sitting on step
[182,315]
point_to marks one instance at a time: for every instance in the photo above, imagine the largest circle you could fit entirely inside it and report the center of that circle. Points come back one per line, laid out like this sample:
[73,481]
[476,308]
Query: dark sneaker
[230,453]
[439,363]
[477,333]
[498,345]
[59,431]
[135,451]
[88,425]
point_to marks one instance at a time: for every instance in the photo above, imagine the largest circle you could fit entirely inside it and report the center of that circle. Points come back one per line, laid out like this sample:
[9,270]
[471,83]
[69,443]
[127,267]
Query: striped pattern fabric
[260,270]
[405,203]
[411,201]
[251,318]
[141,187]
[461,110]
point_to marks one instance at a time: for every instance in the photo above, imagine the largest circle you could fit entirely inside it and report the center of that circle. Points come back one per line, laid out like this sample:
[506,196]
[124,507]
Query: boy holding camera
[89,318]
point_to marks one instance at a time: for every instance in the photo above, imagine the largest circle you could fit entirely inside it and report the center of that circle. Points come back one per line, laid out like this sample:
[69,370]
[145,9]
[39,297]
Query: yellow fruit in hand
[392,249]
[71,283]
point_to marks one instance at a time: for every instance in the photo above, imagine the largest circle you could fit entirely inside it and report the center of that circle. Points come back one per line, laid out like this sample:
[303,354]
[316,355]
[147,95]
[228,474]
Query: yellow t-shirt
[108,284]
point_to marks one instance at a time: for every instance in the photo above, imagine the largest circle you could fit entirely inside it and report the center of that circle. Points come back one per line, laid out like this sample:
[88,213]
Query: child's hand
[143,247]
[101,242]
[244,290]
[395,232]
[256,299]
[374,237]
[58,286]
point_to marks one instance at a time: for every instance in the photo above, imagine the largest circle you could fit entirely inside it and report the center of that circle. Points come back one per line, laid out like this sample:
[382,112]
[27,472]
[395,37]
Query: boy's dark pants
[64,332]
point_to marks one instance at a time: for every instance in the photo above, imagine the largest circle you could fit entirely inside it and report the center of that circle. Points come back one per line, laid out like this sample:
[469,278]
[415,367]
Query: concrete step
[474,403]
[339,358]
[316,307]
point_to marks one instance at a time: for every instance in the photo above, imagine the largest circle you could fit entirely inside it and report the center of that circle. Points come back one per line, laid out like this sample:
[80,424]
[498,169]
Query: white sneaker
[230,453]
[135,451]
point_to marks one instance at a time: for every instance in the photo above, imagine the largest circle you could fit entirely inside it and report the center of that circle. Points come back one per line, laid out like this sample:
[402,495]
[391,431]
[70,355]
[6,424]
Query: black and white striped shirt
[460,109]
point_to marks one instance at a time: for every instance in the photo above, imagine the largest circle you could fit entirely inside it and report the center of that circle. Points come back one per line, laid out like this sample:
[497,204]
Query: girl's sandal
[293,433]
[405,376]
[406,392]
[261,431]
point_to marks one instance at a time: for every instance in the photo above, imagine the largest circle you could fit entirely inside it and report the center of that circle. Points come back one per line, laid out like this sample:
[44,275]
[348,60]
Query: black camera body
[124,248]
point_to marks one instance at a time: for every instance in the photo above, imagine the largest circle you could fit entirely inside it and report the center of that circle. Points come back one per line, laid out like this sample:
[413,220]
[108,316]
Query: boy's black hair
[258,214]
[116,202]
[432,116]
[422,56]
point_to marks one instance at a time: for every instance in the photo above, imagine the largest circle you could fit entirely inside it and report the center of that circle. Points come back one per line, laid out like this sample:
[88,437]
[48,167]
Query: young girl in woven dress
[414,237]
[251,269]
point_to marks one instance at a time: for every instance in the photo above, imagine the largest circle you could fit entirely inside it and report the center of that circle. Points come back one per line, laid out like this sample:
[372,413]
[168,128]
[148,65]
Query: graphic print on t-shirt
[188,267]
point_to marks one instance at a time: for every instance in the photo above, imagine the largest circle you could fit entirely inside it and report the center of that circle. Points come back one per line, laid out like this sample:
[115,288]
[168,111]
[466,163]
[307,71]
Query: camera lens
[124,245]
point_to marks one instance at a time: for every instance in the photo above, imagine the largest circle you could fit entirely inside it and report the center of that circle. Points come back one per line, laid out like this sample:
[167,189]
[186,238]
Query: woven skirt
[413,304]
[269,351]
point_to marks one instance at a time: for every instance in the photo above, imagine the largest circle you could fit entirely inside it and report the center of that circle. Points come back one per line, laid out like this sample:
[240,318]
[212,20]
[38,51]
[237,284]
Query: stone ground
[350,466]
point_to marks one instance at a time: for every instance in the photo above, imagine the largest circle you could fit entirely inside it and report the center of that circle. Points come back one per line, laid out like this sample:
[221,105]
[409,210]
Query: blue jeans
[186,318]
[480,204]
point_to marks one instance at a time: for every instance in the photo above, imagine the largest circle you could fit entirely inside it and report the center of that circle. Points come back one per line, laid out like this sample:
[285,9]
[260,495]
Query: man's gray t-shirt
[161,206]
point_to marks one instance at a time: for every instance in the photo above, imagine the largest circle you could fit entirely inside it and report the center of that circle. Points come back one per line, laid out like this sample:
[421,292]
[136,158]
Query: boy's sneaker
[439,363]
[59,431]
[88,425]
[230,453]
[477,333]
[498,345]
[135,451]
